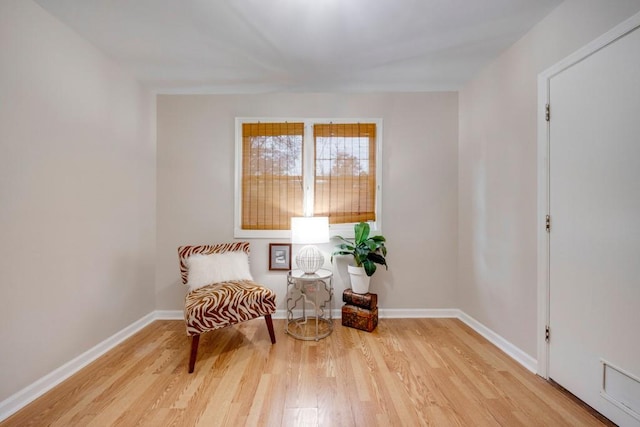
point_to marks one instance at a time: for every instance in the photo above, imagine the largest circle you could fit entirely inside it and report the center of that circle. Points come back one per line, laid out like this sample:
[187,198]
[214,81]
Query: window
[296,167]
[345,172]
[271,175]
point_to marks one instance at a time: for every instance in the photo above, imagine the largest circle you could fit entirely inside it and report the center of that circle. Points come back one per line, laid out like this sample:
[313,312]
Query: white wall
[77,190]
[77,195]
[196,196]
[498,169]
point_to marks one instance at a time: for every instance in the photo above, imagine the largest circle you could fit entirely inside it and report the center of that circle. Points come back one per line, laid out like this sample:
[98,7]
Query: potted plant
[367,251]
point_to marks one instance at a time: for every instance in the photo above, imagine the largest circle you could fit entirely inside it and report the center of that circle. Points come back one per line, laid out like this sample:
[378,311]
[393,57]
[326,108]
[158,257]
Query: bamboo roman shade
[285,173]
[345,172]
[272,190]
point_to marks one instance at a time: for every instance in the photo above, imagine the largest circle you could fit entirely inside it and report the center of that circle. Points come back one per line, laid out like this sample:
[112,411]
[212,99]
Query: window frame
[308,175]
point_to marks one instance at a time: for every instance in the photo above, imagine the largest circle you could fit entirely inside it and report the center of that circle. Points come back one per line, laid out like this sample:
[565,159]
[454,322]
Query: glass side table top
[321,274]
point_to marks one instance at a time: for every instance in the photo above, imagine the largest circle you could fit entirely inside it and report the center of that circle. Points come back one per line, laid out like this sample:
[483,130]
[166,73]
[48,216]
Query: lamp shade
[310,230]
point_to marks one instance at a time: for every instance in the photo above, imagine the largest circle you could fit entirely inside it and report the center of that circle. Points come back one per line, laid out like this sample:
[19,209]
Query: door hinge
[547,333]
[548,223]
[547,112]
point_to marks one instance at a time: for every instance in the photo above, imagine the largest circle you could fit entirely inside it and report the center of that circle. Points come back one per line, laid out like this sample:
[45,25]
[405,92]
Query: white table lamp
[309,230]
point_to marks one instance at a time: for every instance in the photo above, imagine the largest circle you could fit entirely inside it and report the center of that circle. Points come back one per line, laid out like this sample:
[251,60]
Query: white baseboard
[391,313]
[421,313]
[417,313]
[518,355]
[507,347]
[28,394]
[169,314]
[36,389]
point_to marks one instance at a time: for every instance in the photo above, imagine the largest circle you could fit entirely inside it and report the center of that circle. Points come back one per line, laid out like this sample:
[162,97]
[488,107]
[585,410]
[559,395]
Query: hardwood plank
[406,372]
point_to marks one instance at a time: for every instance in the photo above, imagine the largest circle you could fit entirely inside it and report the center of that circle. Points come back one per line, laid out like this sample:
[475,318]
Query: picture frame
[280,256]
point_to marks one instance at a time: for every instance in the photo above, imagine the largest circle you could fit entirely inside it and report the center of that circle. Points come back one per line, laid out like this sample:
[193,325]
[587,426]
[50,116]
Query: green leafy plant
[366,251]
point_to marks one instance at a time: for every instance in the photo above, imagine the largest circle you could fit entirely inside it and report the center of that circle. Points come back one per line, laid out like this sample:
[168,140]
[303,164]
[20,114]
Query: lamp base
[309,259]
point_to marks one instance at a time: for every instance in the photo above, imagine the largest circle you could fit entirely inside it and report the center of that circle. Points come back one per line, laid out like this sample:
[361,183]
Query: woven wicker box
[359,318]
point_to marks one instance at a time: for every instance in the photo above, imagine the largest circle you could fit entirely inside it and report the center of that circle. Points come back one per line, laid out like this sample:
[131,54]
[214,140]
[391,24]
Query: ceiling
[252,46]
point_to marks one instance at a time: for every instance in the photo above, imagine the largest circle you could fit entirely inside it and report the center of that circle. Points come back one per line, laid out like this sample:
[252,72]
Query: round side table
[309,299]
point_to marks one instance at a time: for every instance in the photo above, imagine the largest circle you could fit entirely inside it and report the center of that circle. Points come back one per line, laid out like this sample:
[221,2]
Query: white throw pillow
[215,268]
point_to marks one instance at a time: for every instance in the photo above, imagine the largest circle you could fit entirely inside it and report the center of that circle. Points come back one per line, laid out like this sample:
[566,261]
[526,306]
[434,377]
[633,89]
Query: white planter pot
[359,279]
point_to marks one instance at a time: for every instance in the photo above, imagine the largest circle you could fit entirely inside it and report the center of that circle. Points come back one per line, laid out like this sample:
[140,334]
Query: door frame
[544,79]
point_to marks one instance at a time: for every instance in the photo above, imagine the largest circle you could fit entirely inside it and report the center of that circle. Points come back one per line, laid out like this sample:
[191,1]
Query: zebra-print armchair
[219,304]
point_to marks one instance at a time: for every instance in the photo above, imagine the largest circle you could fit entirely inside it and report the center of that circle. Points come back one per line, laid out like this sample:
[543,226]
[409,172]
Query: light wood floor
[408,372]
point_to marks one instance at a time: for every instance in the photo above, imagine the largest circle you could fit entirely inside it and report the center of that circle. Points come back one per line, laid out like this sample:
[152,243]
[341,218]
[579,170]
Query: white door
[594,202]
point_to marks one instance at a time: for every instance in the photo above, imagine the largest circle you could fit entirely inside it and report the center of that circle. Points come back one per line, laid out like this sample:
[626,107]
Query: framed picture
[280,256]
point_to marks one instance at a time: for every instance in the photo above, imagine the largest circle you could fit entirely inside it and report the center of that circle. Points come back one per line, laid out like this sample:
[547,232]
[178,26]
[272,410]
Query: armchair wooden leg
[194,352]
[267,318]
